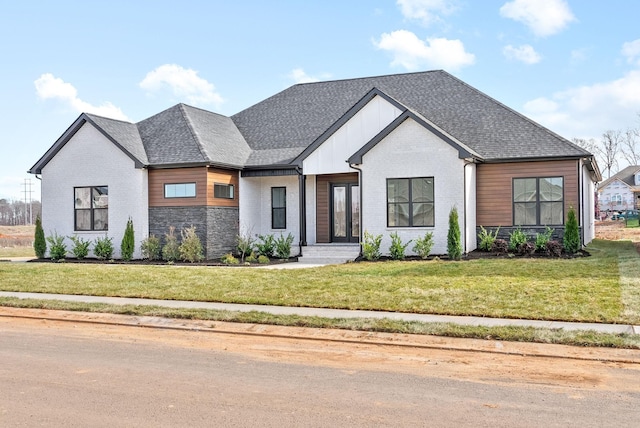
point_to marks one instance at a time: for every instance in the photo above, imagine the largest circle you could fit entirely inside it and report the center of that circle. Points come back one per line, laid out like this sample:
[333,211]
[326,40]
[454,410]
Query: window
[223,191]
[538,201]
[91,208]
[410,202]
[180,190]
[278,207]
[617,198]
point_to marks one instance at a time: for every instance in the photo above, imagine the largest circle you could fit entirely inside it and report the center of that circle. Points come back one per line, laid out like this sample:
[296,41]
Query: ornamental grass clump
[487,238]
[244,243]
[542,239]
[516,239]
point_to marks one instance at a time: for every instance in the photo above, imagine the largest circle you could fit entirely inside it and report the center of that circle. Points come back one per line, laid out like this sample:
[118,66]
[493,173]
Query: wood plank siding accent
[222,176]
[204,178]
[323,200]
[495,193]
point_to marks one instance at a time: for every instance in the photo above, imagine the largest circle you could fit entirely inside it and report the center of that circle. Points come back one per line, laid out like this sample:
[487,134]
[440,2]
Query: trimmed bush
[423,245]
[191,248]
[103,248]
[266,245]
[397,248]
[252,258]
[526,249]
[263,260]
[454,244]
[500,246]
[57,247]
[229,259]
[80,247]
[571,238]
[371,246]
[39,241]
[283,246]
[128,244]
[171,248]
[151,248]
[554,248]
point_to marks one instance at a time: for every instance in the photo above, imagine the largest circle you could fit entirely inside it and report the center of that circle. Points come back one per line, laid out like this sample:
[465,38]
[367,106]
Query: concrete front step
[329,253]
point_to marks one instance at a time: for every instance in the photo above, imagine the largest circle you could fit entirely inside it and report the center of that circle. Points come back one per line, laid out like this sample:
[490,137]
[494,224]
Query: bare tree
[589,145]
[610,147]
[631,146]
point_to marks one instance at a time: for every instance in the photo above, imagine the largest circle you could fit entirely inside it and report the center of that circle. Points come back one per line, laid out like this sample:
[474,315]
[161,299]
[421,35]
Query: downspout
[302,204]
[351,165]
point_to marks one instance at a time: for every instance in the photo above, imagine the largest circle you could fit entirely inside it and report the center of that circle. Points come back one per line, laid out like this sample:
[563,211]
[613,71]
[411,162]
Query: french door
[345,212]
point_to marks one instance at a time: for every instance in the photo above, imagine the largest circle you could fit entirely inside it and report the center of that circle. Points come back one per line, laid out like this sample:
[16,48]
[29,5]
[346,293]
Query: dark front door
[345,212]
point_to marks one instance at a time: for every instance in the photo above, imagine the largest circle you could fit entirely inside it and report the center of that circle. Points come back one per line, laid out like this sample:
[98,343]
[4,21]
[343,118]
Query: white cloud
[524,53]
[184,84]
[50,87]
[413,53]
[588,111]
[427,11]
[543,17]
[298,75]
[631,50]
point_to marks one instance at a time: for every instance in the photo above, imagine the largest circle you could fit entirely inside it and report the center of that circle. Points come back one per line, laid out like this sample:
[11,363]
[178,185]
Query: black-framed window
[410,202]
[223,191]
[180,190]
[91,208]
[538,201]
[278,207]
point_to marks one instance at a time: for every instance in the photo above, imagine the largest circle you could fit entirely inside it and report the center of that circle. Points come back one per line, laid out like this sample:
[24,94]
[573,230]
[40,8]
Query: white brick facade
[90,159]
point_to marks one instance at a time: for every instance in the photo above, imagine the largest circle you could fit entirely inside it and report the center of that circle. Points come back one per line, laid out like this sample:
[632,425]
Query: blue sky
[572,65]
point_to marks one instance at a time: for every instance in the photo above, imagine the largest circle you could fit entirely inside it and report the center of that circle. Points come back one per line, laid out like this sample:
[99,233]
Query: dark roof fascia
[66,137]
[463,153]
[344,119]
[178,165]
[535,159]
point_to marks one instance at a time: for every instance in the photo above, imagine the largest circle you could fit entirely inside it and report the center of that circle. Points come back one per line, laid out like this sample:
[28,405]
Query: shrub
[423,245]
[397,248]
[487,238]
[171,248]
[526,249]
[571,238]
[57,247]
[39,241]
[103,248]
[252,258]
[191,248]
[454,245]
[542,239]
[371,246]
[151,248]
[500,246]
[283,246]
[263,260]
[128,244]
[244,243]
[517,238]
[229,259]
[80,247]
[266,245]
[554,248]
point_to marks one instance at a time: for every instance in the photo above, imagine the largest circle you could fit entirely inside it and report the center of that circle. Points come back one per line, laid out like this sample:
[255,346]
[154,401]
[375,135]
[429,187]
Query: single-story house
[323,161]
[620,191]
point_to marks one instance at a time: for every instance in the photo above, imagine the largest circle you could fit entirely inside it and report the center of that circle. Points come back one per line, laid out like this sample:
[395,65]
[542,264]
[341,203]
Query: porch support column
[302,200]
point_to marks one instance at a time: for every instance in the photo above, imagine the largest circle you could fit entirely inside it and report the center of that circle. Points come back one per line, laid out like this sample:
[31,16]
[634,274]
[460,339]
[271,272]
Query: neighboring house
[323,161]
[621,191]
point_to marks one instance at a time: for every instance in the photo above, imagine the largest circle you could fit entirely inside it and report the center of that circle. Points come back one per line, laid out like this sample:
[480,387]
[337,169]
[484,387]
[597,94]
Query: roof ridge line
[193,132]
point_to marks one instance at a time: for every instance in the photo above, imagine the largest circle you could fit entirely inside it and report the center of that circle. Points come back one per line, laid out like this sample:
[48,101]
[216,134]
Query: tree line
[614,147]
[14,212]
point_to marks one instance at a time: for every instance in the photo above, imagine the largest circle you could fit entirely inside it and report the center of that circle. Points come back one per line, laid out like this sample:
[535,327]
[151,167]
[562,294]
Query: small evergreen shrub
[128,244]
[229,259]
[423,245]
[554,248]
[500,246]
[397,248]
[266,245]
[454,244]
[57,247]
[103,248]
[244,243]
[252,258]
[171,248]
[39,241]
[526,249]
[487,238]
[151,248]
[191,248]
[371,246]
[517,238]
[80,247]
[571,238]
[542,239]
[283,246]
[263,260]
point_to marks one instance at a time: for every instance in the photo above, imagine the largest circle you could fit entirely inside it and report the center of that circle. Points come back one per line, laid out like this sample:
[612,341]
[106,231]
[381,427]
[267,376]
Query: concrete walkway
[333,313]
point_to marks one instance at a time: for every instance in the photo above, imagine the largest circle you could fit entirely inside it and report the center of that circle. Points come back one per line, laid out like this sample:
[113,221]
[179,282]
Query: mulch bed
[161,262]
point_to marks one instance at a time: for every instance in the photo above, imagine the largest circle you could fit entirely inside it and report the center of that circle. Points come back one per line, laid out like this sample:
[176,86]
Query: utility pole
[27,196]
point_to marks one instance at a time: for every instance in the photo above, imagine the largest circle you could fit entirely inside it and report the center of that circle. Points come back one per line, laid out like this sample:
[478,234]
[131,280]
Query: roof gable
[626,176]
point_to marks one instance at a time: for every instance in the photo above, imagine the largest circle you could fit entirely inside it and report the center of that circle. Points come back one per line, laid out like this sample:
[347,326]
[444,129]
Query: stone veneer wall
[217,227]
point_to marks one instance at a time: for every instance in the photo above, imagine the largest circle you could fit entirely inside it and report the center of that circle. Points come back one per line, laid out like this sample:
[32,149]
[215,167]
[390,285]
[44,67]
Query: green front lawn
[600,288]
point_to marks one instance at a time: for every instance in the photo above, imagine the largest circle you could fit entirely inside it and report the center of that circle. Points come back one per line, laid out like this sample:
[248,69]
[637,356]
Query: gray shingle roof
[124,133]
[626,176]
[297,116]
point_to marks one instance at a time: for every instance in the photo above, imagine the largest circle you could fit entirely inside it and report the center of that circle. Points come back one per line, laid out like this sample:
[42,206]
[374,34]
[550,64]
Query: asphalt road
[68,374]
